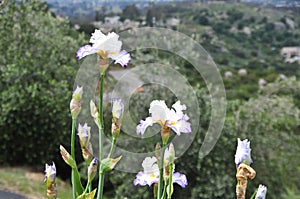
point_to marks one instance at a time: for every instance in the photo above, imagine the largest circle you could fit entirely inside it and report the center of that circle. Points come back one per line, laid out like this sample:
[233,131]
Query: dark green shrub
[37,68]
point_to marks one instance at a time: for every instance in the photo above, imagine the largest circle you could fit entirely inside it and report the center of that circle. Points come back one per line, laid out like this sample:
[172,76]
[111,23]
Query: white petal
[150,165]
[141,128]
[159,110]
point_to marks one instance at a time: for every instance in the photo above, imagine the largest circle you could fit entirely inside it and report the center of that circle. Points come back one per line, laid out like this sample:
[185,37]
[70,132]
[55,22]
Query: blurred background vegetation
[38,67]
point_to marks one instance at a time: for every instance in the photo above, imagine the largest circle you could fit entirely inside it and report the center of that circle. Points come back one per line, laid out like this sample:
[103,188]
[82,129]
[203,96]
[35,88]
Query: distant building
[228,74]
[130,24]
[262,83]
[279,25]
[291,24]
[173,22]
[291,54]
[282,77]
[112,20]
[242,72]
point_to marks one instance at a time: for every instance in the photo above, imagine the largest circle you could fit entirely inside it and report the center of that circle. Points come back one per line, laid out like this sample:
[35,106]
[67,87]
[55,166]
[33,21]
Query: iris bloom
[261,192]
[50,174]
[150,174]
[107,46]
[173,118]
[243,152]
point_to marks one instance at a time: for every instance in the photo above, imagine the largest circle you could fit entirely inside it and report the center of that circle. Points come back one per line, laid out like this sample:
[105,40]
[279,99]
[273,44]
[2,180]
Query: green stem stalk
[73,156]
[164,192]
[170,180]
[112,148]
[101,132]
[161,173]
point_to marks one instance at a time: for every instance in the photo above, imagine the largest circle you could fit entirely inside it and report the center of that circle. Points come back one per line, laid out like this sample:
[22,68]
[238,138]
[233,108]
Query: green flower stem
[88,185]
[164,192]
[170,180]
[101,132]
[161,173]
[101,183]
[73,156]
[90,188]
[112,148]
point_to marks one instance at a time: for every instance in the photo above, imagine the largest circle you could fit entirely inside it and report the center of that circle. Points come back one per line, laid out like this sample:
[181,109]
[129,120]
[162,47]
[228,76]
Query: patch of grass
[30,184]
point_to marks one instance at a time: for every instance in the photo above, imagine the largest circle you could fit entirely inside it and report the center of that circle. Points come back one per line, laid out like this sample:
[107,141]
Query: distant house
[279,25]
[242,72]
[173,22]
[228,74]
[130,24]
[262,83]
[291,54]
[112,20]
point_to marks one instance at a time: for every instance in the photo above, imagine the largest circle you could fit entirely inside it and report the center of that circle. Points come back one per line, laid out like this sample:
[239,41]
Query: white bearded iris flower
[108,46]
[261,192]
[150,174]
[173,118]
[243,152]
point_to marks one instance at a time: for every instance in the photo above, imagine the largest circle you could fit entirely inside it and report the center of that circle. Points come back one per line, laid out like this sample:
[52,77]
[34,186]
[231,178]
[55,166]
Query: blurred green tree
[37,68]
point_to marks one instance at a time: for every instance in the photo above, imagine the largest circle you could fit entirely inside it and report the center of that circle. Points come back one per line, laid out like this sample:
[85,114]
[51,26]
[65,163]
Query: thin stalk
[161,173]
[170,180]
[73,156]
[88,185]
[101,132]
[112,148]
[164,192]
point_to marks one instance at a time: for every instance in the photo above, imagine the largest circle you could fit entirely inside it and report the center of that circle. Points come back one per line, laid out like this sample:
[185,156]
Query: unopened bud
[94,113]
[117,108]
[75,104]
[87,153]
[109,164]
[115,130]
[92,169]
[85,195]
[117,116]
[171,153]
[84,133]
[67,157]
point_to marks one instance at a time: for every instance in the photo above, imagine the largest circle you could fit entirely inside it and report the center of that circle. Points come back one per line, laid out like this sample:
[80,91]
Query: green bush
[37,68]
